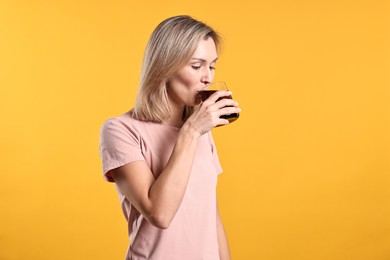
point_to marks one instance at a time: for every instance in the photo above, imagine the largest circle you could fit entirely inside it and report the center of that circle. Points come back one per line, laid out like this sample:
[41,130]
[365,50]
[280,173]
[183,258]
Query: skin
[159,199]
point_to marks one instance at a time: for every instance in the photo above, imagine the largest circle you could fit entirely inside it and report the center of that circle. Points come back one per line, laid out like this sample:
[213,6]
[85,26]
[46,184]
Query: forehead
[206,50]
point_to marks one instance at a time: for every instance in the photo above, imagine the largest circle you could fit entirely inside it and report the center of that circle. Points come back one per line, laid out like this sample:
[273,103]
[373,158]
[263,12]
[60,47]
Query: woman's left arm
[224,252]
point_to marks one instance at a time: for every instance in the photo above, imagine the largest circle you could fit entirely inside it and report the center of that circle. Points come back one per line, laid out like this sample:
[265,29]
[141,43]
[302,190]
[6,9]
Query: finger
[222,122]
[226,103]
[229,110]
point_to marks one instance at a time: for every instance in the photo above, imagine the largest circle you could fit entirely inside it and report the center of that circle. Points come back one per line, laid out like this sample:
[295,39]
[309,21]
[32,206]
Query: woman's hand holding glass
[217,109]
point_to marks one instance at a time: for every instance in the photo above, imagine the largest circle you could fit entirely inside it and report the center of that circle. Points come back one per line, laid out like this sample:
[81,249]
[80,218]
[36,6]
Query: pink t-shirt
[192,233]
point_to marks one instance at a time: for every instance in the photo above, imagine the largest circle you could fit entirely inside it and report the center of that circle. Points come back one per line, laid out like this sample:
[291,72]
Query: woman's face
[183,87]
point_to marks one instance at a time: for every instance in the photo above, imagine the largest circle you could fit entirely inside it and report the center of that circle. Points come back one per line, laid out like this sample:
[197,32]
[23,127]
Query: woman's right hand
[207,116]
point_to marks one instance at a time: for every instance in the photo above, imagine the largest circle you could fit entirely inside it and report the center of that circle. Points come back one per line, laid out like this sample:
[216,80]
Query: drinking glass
[211,89]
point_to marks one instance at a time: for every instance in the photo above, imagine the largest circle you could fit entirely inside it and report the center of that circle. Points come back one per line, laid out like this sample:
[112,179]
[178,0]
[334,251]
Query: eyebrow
[203,60]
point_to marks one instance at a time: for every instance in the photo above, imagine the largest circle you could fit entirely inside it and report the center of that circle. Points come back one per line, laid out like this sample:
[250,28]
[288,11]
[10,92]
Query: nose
[207,76]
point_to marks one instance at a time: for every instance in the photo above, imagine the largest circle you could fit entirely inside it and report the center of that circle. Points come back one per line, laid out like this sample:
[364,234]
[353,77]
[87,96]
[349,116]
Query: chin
[197,100]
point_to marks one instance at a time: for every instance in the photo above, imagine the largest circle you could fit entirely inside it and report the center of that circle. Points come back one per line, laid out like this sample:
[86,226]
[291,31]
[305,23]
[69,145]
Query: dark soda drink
[205,94]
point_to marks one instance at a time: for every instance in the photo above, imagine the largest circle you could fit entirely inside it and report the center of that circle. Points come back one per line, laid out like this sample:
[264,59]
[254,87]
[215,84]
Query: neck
[176,117]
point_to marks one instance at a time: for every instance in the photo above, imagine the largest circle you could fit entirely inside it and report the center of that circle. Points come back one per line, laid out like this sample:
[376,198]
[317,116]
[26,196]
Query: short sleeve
[119,145]
[215,158]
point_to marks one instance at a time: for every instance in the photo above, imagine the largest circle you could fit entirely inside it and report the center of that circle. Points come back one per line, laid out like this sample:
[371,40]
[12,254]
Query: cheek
[188,78]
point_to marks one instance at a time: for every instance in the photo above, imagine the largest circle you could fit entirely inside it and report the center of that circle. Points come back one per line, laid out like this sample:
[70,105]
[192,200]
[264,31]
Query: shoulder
[121,129]
[124,123]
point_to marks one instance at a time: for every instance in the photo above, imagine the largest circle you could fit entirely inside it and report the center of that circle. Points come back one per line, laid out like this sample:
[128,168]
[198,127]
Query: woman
[161,154]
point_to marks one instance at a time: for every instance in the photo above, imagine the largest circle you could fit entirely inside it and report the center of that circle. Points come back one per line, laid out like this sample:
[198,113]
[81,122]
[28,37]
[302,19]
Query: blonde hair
[170,47]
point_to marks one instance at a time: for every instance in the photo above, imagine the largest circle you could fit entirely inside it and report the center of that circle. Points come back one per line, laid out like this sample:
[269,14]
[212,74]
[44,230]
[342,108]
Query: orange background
[306,167]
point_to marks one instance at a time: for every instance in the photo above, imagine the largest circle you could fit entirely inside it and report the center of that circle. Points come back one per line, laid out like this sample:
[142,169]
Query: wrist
[190,131]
